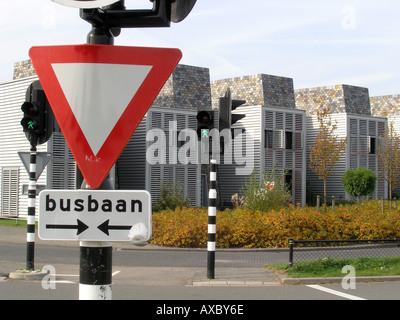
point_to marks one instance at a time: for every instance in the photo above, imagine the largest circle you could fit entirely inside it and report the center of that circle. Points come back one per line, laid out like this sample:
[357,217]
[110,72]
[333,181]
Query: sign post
[99,94]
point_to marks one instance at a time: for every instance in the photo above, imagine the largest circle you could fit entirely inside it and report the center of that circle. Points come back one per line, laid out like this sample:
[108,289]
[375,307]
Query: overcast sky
[315,42]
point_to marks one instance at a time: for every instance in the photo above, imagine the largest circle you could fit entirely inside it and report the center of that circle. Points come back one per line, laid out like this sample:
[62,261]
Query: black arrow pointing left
[105,227]
[79,227]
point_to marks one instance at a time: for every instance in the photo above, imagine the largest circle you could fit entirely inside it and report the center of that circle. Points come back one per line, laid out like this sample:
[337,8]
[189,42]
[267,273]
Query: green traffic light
[204,134]
[31,125]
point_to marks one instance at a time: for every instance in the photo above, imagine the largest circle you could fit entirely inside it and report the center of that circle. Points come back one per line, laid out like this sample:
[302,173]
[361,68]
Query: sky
[314,42]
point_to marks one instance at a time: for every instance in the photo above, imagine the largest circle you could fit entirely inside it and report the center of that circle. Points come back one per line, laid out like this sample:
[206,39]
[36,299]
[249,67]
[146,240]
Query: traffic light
[226,105]
[38,116]
[205,123]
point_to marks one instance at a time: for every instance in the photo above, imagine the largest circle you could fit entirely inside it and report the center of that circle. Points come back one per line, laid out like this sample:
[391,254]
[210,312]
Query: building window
[289,180]
[269,137]
[288,140]
[9,191]
[372,145]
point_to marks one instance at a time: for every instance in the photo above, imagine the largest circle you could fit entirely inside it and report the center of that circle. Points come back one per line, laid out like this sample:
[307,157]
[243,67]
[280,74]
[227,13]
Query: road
[149,258]
[167,275]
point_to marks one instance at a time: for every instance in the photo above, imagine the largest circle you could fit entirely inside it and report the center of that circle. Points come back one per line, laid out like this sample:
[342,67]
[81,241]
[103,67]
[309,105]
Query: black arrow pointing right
[80,226]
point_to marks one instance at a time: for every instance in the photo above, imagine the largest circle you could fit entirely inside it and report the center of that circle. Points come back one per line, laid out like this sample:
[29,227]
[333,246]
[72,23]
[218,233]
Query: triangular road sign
[42,160]
[99,94]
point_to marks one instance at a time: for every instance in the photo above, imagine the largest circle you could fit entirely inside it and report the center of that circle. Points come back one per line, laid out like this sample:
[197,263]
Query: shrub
[257,229]
[171,197]
[359,182]
[267,193]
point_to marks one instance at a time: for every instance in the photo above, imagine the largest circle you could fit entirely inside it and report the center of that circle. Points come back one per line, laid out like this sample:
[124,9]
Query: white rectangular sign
[95,215]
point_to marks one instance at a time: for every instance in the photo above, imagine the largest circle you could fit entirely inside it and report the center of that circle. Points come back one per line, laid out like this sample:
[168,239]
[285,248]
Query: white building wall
[358,129]
[291,156]
[134,171]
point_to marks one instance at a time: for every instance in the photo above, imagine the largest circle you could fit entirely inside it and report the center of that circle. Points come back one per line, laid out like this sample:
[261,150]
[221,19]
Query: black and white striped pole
[30,235]
[212,217]
[95,274]
[95,264]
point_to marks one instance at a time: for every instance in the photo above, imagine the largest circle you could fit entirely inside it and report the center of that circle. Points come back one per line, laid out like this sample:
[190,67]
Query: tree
[328,148]
[389,157]
[359,182]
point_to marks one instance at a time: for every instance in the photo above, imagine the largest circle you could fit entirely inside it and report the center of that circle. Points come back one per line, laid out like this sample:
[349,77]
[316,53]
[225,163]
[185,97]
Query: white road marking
[336,293]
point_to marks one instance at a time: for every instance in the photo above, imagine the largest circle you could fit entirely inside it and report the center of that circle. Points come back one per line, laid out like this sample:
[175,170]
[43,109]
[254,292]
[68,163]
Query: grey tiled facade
[187,88]
[23,69]
[341,98]
[261,89]
[385,106]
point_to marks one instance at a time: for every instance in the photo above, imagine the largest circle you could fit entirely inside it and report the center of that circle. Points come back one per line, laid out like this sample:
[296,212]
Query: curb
[285,280]
[28,275]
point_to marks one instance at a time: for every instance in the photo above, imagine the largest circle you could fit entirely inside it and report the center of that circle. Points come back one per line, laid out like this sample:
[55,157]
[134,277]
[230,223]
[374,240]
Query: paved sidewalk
[237,277]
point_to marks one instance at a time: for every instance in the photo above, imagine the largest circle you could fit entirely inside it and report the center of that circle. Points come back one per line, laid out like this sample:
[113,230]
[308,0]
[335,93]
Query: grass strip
[21,223]
[328,267]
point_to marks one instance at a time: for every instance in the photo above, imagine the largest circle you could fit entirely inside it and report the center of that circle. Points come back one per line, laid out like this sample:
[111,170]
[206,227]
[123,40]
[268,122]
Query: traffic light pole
[30,235]
[212,217]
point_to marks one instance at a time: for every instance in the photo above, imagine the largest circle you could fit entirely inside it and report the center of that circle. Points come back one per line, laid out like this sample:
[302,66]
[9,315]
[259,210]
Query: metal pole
[95,274]
[291,245]
[30,235]
[95,271]
[212,216]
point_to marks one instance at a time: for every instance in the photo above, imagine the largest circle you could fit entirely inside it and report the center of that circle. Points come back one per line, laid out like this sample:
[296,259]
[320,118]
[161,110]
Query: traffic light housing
[205,123]
[226,105]
[38,118]
[116,16]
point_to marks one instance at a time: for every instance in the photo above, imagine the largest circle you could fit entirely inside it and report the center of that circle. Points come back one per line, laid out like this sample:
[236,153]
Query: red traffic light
[29,109]
[204,118]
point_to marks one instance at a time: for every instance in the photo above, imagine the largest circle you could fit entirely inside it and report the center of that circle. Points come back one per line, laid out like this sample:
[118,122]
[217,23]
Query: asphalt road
[160,275]
[148,258]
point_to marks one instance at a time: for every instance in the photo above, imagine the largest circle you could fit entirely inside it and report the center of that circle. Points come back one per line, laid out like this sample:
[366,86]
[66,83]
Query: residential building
[277,130]
[388,106]
[351,113]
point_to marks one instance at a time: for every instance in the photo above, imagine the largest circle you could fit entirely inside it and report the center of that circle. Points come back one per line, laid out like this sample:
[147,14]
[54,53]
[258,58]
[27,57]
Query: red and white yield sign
[99,94]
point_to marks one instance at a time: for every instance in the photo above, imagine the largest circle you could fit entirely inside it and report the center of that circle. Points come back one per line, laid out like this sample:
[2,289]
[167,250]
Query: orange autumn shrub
[182,227]
[248,229]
